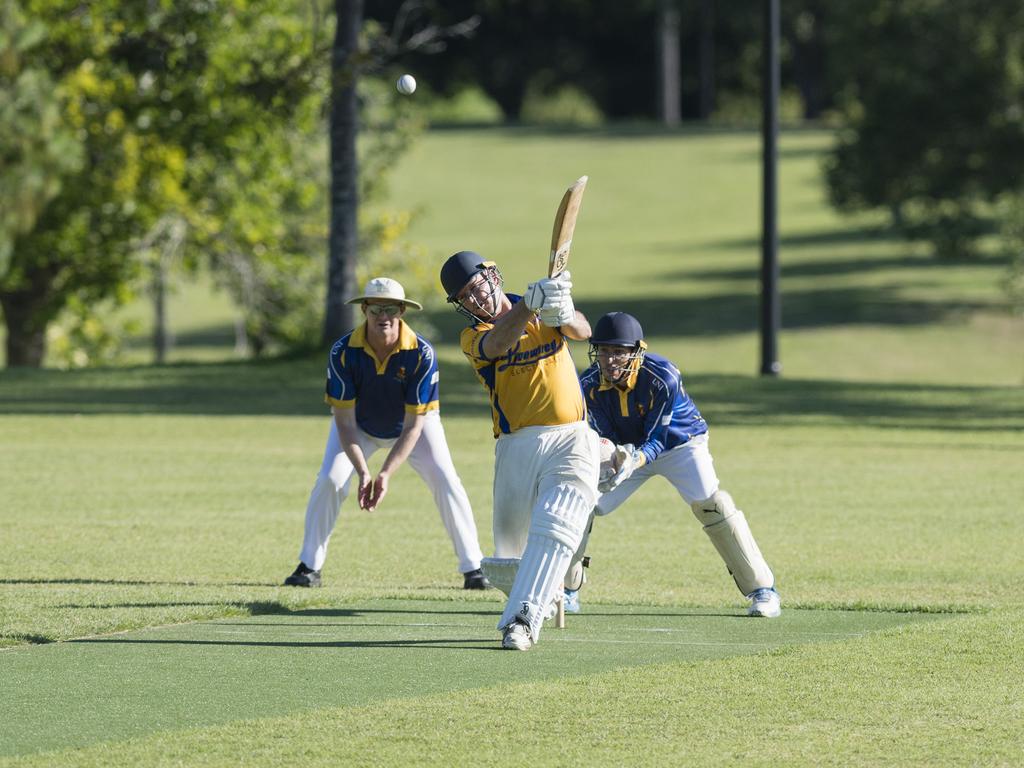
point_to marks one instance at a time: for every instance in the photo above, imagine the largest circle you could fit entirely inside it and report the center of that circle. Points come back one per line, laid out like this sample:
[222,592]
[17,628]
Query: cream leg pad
[727,528]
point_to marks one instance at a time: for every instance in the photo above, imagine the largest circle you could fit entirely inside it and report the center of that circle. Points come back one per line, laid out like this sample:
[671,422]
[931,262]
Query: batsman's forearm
[579,329]
[507,330]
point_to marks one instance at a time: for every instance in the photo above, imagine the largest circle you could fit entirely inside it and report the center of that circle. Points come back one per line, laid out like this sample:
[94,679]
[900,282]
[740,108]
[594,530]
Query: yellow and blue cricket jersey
[653,411]
[382,391]
[533,384]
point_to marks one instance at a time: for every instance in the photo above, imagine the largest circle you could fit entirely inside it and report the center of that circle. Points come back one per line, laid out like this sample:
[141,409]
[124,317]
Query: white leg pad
[728,530]
[559,520]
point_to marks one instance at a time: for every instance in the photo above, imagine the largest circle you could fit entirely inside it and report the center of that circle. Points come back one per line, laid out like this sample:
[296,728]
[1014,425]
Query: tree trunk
[669,79]
[707,58]
[509,96]
[26,319]
[344,128]
[809,60]
[161,337]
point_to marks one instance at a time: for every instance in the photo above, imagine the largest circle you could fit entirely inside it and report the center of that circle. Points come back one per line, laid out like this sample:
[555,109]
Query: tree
[344,195]
[163,99]
[354,55]
[934,114]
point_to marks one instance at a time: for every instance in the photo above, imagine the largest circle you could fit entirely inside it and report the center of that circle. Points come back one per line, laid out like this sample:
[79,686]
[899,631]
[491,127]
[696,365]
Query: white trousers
[432,461]
[545,484]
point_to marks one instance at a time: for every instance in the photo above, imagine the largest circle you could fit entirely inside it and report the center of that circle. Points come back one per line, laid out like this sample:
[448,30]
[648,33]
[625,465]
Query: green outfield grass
[149,514]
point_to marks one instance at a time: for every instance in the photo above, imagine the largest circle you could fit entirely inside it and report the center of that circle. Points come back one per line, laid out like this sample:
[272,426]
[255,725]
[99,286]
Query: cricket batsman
[382,386]
[546,455]
[636,399]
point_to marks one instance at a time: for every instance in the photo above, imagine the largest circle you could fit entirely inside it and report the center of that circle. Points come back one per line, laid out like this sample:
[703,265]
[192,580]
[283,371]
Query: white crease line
[669,642]
[805,634]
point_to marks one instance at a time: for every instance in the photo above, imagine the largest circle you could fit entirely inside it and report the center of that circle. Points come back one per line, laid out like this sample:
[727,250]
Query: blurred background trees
[144,140]
[185,111]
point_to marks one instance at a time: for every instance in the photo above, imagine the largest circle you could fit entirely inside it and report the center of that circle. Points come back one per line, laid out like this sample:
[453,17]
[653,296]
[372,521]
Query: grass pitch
[149,514]
[294,662]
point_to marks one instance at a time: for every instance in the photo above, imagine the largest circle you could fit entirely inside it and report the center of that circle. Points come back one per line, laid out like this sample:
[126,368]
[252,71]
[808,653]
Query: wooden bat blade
[565,223]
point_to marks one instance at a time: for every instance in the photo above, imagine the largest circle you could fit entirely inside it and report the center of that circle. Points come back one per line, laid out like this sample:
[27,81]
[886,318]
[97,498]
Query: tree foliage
[933,112]
[37,148]
[186,107]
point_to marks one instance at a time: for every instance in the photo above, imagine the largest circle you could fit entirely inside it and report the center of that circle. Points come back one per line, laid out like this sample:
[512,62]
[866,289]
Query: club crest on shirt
[401,373]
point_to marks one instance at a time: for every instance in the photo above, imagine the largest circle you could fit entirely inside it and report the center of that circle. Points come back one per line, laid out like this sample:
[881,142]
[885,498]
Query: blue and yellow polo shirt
[533,384]
[653,411]
[382,391]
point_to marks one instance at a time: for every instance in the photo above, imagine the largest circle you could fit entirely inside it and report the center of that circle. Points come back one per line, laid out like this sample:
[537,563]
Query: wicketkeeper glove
[547,290]
[632,460]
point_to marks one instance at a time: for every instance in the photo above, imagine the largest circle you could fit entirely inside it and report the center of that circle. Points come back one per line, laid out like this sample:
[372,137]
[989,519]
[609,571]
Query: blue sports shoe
[571,601]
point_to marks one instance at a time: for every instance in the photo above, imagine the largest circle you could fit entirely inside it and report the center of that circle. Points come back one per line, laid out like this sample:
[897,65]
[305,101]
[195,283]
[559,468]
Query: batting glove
[632,460]
[558,312]
[547,290]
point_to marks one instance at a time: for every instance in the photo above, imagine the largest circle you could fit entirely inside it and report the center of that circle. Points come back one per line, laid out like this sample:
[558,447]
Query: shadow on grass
[293,388]
[637,129]
[737,312]
[28,639]
[820,267]
[842,235]
[219,335]
[453,643]
[139,582]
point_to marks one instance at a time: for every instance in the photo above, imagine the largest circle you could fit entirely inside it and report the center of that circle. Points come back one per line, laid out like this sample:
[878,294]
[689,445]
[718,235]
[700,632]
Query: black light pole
[771,312]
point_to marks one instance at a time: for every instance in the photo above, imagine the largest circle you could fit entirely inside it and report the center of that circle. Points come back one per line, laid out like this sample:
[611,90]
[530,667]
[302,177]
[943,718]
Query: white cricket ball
[406,84]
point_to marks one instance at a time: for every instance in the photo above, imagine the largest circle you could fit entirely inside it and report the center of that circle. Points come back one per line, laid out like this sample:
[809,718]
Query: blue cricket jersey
[382,391]
[653,412]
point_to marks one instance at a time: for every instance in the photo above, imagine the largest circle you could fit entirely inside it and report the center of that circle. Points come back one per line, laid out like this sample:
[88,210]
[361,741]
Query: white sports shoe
[517,637]
[766,603]
[571,601]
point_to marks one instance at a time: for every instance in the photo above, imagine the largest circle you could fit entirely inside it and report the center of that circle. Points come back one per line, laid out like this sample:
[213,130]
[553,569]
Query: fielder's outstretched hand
[378,490]
[365,490]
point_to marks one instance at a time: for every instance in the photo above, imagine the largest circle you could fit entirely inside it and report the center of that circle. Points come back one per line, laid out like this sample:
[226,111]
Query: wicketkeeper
[636,399]
[382,386]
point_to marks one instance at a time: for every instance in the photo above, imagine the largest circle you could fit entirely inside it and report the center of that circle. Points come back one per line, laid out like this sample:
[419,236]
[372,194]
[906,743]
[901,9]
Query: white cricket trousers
[545,484]
[432,461]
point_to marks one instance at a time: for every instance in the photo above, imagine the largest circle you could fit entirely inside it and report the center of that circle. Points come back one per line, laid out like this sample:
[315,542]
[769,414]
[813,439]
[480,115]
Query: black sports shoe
[303,577]
[475,580]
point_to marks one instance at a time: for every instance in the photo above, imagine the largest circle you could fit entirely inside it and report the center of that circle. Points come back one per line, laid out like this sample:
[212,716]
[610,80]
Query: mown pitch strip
[130,684]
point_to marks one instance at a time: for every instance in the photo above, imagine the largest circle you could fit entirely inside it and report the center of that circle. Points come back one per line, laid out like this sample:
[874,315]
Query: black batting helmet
[617,328]
[459,270]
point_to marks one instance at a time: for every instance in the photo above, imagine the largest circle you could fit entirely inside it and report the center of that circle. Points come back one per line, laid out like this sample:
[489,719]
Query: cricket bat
[565,223]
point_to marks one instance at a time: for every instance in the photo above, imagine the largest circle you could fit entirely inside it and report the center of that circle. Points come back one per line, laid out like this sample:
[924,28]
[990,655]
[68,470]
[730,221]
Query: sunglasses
[391,310]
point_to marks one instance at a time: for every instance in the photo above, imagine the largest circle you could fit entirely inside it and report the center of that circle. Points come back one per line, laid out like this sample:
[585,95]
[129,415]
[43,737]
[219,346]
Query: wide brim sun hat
[384,288]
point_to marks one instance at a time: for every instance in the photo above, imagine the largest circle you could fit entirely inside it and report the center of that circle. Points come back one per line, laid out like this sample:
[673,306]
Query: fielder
[546,456]
[636,399]
[382,384]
